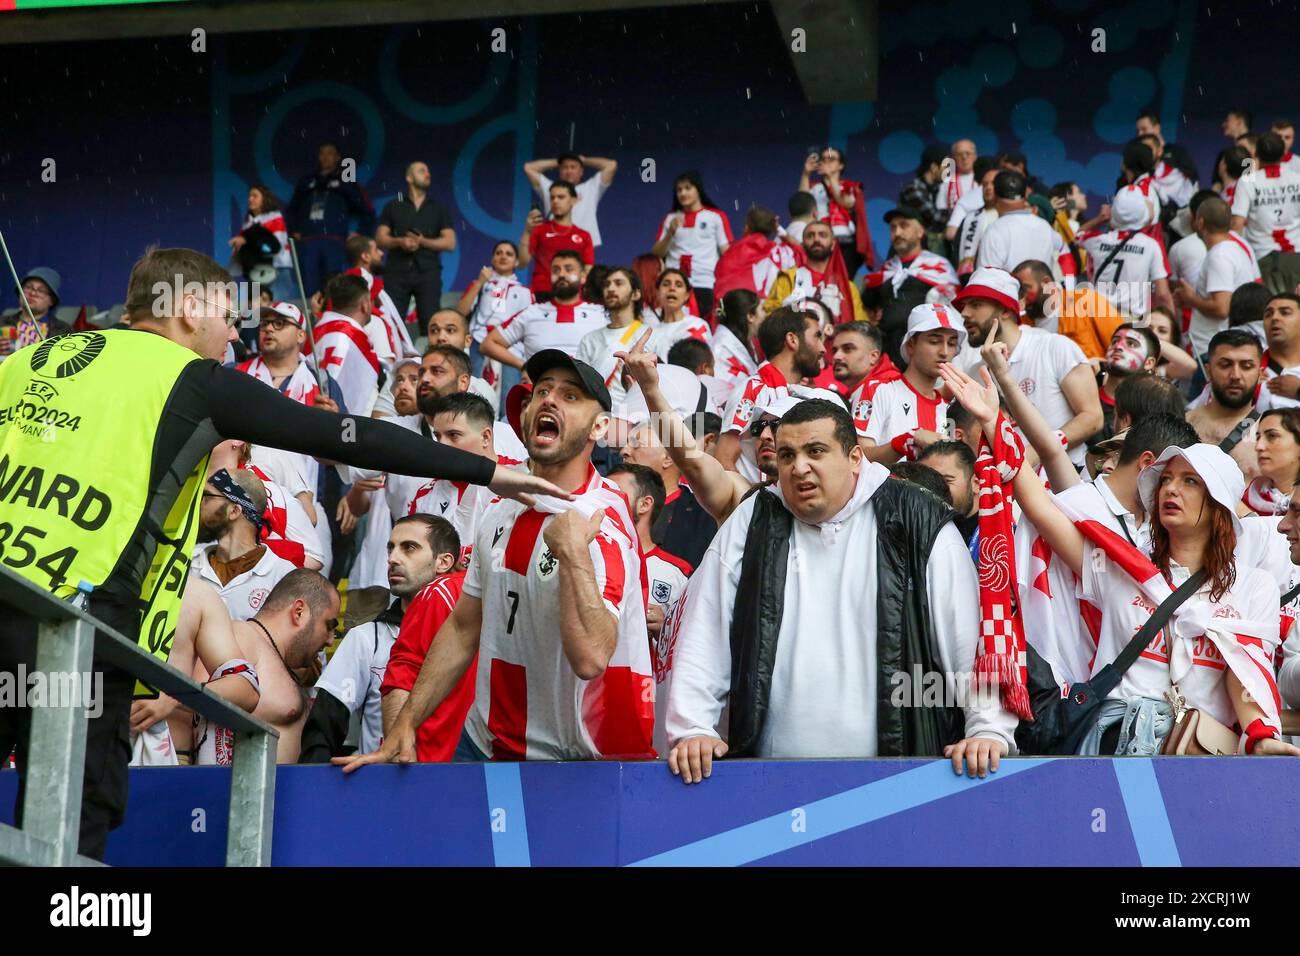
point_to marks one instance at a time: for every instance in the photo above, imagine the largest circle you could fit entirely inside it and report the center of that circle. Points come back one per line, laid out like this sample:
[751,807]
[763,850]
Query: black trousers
[424,287]
[852,258]
[108,736]
[703,300]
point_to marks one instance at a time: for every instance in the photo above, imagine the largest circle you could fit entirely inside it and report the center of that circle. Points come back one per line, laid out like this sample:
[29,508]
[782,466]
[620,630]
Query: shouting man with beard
[792,342]
[1228,418]
[552,605]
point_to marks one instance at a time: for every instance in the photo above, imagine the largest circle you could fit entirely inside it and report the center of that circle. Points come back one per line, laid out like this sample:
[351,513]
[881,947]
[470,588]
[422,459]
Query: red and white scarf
[302,386]
[1262,498]
[1002,659]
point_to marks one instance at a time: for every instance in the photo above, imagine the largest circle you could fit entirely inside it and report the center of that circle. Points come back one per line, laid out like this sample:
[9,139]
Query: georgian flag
[343,353]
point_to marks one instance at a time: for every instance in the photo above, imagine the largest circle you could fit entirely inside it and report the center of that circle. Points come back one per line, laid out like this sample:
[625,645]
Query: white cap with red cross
[932,316]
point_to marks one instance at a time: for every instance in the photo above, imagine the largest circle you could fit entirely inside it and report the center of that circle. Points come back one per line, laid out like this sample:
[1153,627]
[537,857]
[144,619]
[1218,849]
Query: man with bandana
[231,556]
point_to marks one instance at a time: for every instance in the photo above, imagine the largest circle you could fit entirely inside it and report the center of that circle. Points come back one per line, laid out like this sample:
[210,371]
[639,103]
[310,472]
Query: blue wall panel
[1034,812]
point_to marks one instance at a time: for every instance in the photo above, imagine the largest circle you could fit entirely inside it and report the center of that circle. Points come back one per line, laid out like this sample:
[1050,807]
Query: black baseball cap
[592,381]
[905,212]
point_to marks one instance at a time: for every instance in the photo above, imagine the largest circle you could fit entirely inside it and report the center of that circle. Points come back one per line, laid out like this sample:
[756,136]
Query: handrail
[67,640]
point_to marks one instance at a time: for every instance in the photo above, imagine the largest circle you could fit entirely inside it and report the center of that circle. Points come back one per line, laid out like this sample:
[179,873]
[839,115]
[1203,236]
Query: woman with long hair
[693,236]
[1277,449]
[264,210]
[647,267]
[735,358]
[1174,362]
[1214,654]
[674,321]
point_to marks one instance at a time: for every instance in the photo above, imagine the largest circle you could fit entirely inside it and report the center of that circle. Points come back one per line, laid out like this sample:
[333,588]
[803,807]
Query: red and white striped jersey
[1129,272]
[896,408]
[273,222]
[552,325]
[841,219]
[345,354]
[529,704]
[666,576]
[459,502]
[697,243]
[498,299]
[1269,200]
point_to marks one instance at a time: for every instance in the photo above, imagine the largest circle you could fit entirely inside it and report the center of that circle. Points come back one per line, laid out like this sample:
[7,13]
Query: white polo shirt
[245,593]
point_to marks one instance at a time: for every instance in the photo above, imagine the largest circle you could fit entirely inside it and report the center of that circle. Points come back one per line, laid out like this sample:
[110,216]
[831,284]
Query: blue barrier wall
[1221,812]
[154,143]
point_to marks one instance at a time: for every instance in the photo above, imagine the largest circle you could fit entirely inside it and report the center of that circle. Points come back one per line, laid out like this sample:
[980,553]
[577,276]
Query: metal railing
[67,639]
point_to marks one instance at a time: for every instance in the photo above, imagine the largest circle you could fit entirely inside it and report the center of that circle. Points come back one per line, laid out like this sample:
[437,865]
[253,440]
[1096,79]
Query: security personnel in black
[104,445]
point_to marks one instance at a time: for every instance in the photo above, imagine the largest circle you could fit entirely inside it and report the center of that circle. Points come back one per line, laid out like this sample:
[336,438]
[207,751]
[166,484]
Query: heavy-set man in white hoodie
[822,691]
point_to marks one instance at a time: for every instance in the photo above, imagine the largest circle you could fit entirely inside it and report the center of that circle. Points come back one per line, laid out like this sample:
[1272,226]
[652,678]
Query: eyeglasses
[757,427]
[276,325]
[232,318]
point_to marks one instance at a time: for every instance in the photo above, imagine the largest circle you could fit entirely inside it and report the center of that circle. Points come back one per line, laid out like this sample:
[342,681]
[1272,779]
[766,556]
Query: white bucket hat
[1223,479]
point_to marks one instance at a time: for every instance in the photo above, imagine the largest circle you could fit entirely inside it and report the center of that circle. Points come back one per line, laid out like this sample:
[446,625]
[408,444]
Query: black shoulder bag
[1074,715]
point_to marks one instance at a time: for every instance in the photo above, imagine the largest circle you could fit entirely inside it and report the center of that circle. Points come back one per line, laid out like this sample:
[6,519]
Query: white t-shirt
[245,593]
[1039,362]
[459,502]
[529,703]
[1186,257]
[1172,186]
[1269,199]
[697,244]
[584,211]
[1129,272]
[1197,663]
[597,349]
[1229,265]
[1016,236]
[553,325]
[354,674]
[896,408]
[498,299]
[970,203]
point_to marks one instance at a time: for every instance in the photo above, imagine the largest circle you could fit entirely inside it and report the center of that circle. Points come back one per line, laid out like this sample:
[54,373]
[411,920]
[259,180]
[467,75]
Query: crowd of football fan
[822,505]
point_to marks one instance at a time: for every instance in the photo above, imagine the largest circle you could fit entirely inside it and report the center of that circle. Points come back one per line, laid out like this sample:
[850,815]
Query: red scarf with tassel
[1002,659]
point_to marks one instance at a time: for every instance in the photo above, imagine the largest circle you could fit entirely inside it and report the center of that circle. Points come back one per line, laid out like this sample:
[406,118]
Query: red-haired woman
[1216,653]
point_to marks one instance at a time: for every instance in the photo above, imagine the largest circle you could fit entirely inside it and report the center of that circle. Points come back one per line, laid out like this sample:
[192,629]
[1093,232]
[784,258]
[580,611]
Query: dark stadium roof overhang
[840,38]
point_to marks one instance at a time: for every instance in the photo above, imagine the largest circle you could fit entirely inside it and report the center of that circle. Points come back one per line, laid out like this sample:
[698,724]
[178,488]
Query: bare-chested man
[293,625]
[1233,369]
[203,630]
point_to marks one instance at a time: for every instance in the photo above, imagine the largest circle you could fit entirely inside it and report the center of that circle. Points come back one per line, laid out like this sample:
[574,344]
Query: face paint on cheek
[1125,358]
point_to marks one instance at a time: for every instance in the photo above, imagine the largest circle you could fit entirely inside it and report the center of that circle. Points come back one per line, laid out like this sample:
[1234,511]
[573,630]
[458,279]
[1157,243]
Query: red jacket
[435,741]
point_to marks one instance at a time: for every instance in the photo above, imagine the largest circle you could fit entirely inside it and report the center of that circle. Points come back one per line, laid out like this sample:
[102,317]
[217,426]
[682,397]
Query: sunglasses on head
[759,425]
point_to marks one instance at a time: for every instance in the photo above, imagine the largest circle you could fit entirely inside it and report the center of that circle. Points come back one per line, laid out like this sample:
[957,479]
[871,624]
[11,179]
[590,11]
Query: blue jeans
[510,377]
[476,361]
[466,752]
[1144,724]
